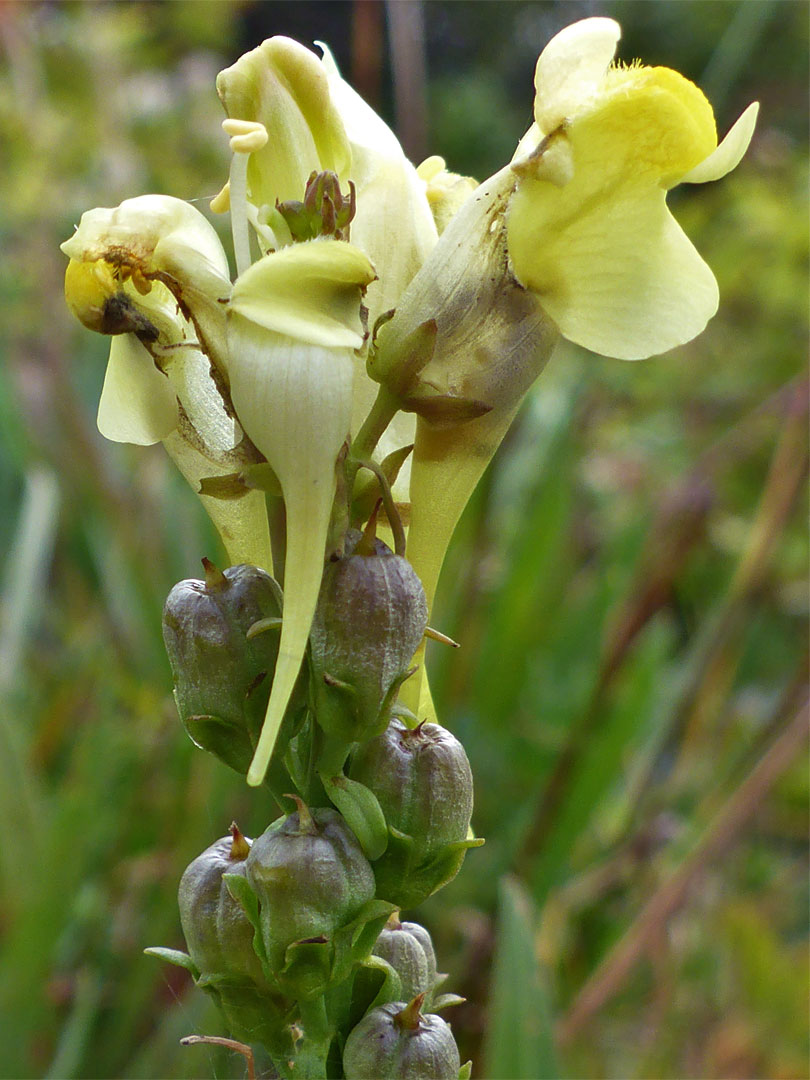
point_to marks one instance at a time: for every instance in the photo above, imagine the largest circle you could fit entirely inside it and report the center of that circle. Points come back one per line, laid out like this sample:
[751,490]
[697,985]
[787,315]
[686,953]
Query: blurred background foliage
[629,583]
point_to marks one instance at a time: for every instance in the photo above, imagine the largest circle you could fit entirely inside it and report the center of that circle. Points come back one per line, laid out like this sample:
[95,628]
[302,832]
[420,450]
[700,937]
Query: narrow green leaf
[519,1042]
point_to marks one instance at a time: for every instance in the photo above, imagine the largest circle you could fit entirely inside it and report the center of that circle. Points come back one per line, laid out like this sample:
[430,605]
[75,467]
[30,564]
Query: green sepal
[409,882]
[257,477]
[465,1072]
[361,809]
[308,969]
[446,1001]
[354,941]
[226,488]
[226,739]
[339,685]
[176,957]
[391,988]
[396,361]
[239,888]
[463,845]
[398,711]
[261,477]
[367,491]
[252,1015]
[402,841]
[261,626]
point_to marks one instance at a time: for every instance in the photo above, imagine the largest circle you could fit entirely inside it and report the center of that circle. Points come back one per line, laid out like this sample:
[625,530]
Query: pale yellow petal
[620,278]
[136,227]
[294,401]
[571,68]
[282,85]
[138,404]
[307,291]
[729,153]
[602,252]
[393,224]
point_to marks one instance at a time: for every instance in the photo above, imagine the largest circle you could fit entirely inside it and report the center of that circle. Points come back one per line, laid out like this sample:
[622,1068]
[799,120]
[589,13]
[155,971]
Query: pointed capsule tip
[240,848]
[365,545]
[411,1015]
[306,823]
[215,580]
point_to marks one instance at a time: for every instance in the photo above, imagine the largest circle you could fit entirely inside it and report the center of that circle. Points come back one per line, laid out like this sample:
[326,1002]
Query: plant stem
[386,406]
[318,1032]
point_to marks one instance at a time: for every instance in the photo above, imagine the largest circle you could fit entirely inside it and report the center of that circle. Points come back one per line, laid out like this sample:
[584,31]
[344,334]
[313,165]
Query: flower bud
[370,618]
[396,1040]
[311,879]
[221,676]
[218,933]
[446,191]
[423,782]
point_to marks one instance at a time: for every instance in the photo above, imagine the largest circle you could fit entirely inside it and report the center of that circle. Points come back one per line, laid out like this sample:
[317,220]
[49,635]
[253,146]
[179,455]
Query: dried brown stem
[216,1040]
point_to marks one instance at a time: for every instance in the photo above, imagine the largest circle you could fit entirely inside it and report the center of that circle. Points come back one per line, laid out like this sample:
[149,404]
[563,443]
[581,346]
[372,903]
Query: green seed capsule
[407,947]
[218,934]
[423,782]
[396,1041]
[222,677]
[370,618]
[311,879]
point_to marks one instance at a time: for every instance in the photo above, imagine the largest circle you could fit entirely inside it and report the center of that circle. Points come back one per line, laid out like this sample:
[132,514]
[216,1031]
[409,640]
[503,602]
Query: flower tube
[294,323]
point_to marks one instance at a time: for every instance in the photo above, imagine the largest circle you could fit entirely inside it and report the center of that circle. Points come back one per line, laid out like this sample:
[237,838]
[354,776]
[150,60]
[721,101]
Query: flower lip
[309,291]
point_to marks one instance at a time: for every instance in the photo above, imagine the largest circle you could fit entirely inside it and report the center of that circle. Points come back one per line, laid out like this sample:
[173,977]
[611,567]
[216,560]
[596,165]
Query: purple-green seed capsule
[396,1041]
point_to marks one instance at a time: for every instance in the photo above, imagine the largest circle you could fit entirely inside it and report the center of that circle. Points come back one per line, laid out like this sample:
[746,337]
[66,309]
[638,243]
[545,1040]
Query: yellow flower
[315,121]
[588,228]
[152,273]
[573,237]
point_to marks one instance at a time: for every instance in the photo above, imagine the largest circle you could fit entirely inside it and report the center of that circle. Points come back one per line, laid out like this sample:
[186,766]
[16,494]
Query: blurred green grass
[629,585]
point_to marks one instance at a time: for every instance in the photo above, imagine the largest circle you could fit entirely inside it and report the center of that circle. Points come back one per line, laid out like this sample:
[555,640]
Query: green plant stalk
[318,1032]
[386,406]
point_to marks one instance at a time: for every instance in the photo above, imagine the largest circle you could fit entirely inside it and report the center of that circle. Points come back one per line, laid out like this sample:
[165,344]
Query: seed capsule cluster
[297,934]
